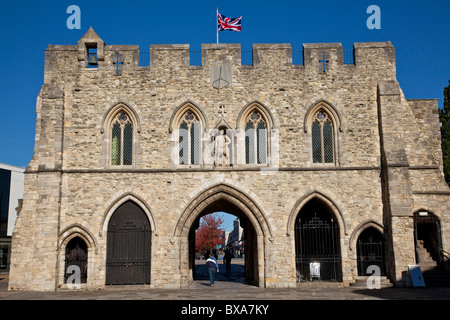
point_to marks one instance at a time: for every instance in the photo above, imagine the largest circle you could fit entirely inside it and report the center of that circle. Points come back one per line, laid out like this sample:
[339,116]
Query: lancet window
[121,140]
[322,138]
[189,139]
[255,139]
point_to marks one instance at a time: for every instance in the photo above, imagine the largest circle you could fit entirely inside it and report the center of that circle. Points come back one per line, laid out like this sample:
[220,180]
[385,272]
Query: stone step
[426,266]
[426,259]
[436,277]
[361,282]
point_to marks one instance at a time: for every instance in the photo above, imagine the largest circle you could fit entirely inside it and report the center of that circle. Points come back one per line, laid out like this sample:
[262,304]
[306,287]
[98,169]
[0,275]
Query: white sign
[314,269]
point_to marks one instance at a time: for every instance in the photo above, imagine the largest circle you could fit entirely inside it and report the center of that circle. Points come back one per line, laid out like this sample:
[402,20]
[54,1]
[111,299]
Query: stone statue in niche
[221,153]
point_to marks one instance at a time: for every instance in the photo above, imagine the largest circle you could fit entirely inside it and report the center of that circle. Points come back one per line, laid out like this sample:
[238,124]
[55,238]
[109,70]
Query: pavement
[231,287]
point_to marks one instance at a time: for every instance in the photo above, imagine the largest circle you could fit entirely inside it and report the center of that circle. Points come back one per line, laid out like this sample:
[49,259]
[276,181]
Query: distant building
[11,191]
[236,235]
[226,236]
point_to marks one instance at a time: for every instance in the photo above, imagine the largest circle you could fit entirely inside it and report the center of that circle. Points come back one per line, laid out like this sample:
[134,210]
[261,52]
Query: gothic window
[322,138]
[121,140]
[255,139]
[189,139]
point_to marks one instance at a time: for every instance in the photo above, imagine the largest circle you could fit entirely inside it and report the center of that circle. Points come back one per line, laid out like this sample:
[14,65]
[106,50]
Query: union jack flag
[225,23]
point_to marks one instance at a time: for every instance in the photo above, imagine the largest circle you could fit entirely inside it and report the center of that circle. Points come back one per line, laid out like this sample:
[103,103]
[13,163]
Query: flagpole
[217,25]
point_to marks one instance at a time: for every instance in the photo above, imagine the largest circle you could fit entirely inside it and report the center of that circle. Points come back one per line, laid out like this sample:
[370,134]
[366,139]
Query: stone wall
[387,155]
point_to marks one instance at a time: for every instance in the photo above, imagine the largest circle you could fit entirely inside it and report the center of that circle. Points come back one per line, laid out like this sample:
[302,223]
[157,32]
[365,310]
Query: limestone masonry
[330,145]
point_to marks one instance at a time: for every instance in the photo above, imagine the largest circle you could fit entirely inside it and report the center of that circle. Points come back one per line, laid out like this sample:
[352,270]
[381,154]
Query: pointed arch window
[322,138]
[189,139]
[121,140]
[255,139]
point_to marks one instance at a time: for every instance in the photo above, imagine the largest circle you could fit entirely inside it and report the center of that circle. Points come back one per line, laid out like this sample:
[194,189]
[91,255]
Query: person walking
[228,256]
[212,265]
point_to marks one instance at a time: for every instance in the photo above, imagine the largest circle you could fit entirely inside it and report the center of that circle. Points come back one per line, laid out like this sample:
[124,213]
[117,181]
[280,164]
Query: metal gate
[76,255]
[129,246]
[317,249]
[370,252]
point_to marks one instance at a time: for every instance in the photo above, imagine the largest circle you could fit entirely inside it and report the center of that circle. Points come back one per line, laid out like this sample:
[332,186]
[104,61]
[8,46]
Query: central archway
[227,199]
[250,240]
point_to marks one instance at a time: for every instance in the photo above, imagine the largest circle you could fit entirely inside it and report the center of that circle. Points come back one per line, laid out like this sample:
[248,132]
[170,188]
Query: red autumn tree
[209,234]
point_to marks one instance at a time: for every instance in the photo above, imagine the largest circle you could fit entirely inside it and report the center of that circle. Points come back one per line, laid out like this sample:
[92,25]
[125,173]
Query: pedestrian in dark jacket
[228,256]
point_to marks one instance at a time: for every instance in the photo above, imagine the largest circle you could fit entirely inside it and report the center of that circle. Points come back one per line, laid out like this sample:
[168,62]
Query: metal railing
[195,58]
[349,57]
[297,57]
[445,255]
[144,59]
[247,58]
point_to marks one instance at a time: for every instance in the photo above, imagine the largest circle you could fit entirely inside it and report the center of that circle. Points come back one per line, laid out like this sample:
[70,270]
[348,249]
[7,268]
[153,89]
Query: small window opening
[92,57]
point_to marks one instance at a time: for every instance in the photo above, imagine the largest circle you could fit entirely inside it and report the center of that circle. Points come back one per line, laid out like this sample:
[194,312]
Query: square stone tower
[317,152]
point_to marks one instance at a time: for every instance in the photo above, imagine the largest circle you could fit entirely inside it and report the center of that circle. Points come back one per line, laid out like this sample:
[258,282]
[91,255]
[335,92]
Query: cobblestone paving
[230,287]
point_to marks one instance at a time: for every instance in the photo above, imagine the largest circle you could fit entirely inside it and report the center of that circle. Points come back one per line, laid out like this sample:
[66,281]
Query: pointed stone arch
[179,111]
[223,197]
[221,191]
[328,107]
[337,212]
[318,239]
[65,237]
[360,228]
[77,230]
[120,128]
[257,142]
[187,128]
[129,196]
[367,245]
[323,125]
[115,109]
[261,108]
[128,246]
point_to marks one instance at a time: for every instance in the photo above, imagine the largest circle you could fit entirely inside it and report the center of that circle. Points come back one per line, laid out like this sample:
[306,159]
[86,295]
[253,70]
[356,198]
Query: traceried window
[121,140]
[322,138]
[189,139]
[255,139]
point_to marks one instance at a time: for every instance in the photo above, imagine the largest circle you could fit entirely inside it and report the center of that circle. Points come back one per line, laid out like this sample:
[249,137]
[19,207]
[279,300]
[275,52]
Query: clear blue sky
[419,30]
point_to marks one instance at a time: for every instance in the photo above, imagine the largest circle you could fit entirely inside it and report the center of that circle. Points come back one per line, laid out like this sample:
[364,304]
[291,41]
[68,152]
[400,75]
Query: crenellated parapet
[92,53]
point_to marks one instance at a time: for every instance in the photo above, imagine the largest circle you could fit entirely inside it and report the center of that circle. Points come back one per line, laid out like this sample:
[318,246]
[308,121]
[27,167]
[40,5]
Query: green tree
[444,117]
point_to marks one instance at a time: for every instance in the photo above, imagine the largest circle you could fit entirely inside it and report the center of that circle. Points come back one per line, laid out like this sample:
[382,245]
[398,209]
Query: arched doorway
[76,255]
[370,251]
[249,273]
[427,237]
[128,246]
[317,243]
[224,198]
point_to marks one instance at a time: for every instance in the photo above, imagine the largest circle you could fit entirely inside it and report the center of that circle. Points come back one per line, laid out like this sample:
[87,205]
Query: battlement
[92,53]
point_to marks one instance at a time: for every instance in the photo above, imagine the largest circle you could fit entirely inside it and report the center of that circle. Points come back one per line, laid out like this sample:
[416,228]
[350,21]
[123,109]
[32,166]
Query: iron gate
[317,250]
[370,252]
[129,247]
[76,255]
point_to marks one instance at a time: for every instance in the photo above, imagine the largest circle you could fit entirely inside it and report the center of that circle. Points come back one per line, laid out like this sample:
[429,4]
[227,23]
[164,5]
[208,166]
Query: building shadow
[437,287]
[236,274]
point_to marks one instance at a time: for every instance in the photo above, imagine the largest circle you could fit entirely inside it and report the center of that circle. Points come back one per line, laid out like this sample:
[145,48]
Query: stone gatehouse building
[329,168]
